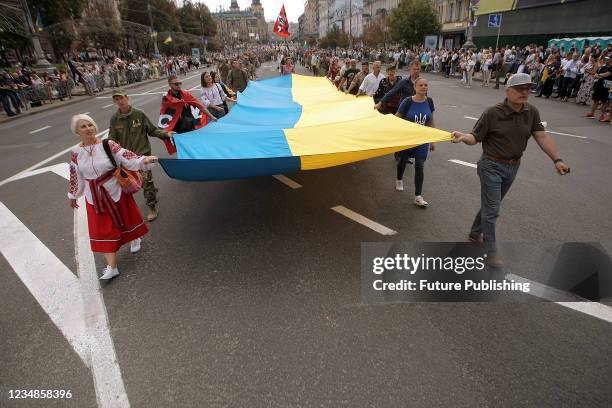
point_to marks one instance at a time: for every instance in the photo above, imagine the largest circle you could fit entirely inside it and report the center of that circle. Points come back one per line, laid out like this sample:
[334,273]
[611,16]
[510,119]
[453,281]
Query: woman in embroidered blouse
[113,216]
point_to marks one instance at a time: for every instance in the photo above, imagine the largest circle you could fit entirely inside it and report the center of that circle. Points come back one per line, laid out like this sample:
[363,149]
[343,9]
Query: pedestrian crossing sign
[494,20]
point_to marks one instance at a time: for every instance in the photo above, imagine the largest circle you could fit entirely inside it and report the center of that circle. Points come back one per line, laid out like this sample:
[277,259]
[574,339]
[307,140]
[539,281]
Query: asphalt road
[246,293]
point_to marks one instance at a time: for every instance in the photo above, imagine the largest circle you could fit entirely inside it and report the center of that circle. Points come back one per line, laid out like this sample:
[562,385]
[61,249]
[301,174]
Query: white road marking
[86,113]
[17,176]
[567,134]
[137,94]
[542,291]
[52,284]
[107,106]
[287,181]
[381,229]
[39,130]
[61,169]
[462,163]
[549,131]
[108,381]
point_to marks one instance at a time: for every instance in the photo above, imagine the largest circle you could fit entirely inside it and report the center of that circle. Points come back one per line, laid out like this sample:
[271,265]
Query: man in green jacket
[131,128]
[238,78]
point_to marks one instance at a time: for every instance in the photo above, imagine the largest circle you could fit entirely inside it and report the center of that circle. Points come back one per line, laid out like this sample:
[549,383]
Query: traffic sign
[494,20]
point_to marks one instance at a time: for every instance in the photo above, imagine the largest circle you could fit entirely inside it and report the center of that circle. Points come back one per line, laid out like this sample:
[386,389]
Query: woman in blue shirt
[418,109]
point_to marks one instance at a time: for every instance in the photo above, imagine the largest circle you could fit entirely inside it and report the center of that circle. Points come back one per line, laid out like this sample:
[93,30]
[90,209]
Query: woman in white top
[212,95]
[113,216]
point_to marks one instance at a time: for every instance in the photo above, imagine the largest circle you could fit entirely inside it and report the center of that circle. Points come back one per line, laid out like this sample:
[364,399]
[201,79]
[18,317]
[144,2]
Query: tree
[376,32]
[55,15]
[412,20]
[335,38]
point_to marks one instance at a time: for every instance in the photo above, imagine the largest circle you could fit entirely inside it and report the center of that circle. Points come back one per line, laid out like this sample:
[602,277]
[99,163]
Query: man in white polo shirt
[370,83]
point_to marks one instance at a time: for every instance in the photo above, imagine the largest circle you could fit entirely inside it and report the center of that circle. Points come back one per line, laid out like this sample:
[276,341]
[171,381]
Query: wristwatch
[557,161]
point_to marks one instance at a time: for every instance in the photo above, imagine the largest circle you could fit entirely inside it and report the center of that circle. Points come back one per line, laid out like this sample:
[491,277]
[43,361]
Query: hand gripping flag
[281,27]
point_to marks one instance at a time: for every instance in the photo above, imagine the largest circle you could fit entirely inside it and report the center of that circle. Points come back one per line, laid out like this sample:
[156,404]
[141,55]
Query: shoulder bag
[129,180]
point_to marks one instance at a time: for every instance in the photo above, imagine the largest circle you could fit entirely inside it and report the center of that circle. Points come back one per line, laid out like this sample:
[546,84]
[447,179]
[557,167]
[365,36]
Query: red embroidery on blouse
[130,155]
[115,147]
[74,182]
[74,157]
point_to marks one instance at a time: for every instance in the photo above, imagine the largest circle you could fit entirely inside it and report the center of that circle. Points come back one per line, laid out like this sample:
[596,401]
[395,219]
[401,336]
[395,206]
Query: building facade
[454,17]
[235,25]
[526,22]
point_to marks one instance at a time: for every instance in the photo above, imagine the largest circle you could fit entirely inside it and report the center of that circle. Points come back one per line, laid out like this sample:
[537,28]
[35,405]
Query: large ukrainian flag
[291,123]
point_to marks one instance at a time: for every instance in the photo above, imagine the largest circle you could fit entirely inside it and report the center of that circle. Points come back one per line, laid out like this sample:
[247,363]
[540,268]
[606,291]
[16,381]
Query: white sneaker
[135,245]
[418,200]
[109,273]
[399,185]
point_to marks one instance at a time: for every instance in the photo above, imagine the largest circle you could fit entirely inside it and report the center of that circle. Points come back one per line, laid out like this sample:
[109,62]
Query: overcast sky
[294,8]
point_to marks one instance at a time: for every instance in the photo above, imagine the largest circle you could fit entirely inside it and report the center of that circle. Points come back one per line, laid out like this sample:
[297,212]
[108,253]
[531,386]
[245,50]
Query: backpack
[409,103]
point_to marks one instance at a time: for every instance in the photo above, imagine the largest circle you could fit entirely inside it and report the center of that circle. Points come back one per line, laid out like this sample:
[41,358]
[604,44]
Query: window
[459,9]
[451,13]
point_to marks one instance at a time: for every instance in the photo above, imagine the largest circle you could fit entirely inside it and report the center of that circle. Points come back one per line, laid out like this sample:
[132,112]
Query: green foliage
[412,20]
[334,38]
[377,32]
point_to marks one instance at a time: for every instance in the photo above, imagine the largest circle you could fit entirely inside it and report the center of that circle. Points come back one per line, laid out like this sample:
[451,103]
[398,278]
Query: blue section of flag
[253,129]
[210,170]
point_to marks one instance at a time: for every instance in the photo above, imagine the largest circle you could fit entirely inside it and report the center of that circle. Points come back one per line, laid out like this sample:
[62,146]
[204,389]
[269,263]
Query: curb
[76,99]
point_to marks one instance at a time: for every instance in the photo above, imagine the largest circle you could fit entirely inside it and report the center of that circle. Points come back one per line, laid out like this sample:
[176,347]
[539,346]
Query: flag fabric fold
[291,123]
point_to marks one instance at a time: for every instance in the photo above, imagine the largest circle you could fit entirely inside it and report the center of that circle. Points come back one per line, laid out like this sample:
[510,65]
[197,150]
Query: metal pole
[498,30]
[41,62]
[350,23]
[154,37]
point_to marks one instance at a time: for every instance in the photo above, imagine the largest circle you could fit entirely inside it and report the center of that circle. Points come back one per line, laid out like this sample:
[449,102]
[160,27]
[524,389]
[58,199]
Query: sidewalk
[78,98]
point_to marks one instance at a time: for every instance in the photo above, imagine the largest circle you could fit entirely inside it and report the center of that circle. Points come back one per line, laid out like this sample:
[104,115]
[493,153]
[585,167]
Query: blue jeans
[495,181]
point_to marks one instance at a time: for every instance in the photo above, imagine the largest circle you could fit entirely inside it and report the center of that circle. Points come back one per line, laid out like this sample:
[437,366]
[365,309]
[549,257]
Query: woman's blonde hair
[75,120]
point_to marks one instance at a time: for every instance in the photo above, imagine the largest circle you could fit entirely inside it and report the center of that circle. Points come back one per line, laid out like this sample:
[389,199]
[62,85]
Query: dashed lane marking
[594,309]
[366,222]
[287,181]
[462,163]
[567,134]
[549,131]
[39,130]
[107,106]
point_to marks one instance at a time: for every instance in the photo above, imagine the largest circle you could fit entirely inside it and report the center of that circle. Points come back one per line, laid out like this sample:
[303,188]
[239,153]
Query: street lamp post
[41,62]
[469,43]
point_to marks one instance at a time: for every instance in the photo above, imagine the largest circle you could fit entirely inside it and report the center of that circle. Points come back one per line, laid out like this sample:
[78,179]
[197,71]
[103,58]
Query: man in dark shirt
[386,84]
[348,76]
[404,87]
[504,130]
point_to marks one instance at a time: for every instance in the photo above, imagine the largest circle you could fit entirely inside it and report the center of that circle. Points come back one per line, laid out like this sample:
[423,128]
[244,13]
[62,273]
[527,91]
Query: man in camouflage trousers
[131,128]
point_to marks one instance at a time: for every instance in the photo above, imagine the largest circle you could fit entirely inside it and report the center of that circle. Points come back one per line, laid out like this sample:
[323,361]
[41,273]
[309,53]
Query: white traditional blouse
[91,162]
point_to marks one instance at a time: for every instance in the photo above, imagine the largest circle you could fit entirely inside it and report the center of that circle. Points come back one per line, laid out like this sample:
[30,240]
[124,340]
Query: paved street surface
[246,293]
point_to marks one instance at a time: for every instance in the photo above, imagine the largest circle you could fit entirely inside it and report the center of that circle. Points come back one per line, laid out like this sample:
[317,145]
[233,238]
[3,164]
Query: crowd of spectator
[583,75]
[23,88]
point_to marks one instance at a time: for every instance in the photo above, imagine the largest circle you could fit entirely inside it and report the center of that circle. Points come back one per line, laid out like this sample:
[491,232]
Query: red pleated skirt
[105,236]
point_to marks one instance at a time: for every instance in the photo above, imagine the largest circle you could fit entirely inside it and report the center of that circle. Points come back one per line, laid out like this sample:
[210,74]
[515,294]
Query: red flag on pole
[281,27]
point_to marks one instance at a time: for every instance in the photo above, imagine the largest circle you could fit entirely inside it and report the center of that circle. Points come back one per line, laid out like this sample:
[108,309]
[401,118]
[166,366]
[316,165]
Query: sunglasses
[177,83]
